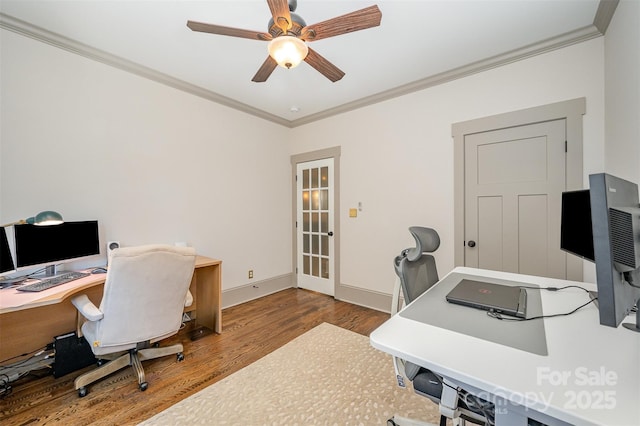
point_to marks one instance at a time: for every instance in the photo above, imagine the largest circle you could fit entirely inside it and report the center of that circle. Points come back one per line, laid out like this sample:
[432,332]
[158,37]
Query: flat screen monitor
[50,245]
[615,213]
[576,234]
[6,261]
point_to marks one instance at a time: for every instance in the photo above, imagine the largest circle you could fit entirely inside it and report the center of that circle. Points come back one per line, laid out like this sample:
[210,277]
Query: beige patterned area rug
[327,376]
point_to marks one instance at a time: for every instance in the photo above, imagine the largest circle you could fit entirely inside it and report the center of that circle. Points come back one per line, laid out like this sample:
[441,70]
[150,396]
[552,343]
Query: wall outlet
[250,273]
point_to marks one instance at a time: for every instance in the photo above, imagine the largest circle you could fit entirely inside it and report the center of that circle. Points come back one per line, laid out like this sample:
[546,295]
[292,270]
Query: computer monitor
[6,261]
[615,217]
[576,235]
[51,245]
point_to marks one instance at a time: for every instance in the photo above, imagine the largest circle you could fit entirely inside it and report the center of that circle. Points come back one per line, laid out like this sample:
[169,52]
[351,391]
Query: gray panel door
[514,180]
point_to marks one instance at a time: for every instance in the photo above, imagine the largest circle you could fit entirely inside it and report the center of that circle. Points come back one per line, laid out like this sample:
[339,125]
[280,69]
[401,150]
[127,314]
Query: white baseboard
[255,290]
[346,293]
[363,297]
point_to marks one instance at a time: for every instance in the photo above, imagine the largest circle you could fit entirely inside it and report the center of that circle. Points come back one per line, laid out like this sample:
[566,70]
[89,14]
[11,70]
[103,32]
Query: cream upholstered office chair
[416,272]
[145,292]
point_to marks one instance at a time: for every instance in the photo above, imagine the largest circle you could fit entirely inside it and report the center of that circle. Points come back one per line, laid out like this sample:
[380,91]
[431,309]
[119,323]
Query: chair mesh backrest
[144,293]
[415,268]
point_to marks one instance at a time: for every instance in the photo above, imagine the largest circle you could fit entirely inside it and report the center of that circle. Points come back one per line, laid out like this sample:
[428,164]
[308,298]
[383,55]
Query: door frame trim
[571,110]
[333,153]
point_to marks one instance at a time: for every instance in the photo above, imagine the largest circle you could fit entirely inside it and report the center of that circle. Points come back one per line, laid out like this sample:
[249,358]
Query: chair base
[119,361]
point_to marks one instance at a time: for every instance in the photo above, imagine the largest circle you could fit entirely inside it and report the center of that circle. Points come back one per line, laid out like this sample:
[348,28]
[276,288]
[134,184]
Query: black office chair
[417,272]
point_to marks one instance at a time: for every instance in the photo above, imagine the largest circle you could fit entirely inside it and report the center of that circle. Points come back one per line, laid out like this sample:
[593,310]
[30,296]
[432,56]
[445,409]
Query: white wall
[141,147]
[397,156]
[622,88]
[152,164]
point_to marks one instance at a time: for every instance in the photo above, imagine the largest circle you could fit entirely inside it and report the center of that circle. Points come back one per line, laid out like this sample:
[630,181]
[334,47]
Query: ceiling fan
[288,34]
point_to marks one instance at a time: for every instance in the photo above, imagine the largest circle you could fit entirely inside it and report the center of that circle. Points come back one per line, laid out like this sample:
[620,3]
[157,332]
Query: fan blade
[228,31]
[323,66]
[265,70]
[280,12]
[354,21]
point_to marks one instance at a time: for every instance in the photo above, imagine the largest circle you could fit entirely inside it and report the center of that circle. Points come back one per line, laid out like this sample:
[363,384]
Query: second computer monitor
[576,234]
[50,245]
[6,261]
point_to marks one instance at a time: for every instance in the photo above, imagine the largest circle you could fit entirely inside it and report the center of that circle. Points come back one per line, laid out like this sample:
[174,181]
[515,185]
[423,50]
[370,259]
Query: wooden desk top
[13,300]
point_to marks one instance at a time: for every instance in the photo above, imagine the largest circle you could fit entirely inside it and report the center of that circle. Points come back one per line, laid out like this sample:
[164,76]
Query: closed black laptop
[487,296]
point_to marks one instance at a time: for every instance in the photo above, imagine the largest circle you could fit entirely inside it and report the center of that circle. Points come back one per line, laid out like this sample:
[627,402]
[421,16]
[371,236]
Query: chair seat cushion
[89,329]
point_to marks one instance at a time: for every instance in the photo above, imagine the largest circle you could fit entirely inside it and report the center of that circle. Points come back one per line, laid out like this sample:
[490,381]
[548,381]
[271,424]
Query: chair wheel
[82,392]
[180,356]
[143,386]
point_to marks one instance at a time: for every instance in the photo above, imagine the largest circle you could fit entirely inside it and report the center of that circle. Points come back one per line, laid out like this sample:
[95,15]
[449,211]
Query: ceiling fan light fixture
[288,51]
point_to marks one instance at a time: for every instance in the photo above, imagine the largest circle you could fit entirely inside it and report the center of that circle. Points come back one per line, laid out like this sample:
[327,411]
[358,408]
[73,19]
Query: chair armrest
[87,308]
[189,300]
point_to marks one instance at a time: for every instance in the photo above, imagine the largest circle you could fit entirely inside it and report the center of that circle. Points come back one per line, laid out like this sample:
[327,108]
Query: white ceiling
[419,43]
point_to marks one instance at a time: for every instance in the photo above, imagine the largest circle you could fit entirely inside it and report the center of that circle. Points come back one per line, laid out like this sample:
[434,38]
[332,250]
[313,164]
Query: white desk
[590,375]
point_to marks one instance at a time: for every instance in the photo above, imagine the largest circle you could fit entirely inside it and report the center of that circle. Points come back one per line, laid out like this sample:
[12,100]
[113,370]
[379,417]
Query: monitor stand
[50,271]
[631,326]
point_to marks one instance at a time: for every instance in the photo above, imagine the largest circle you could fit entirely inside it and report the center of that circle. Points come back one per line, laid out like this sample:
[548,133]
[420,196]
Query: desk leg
[511,414]
[507,414]
[208,296]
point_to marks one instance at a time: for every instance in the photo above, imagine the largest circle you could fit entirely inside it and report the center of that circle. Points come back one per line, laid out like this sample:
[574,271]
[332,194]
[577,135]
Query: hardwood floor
[250,331]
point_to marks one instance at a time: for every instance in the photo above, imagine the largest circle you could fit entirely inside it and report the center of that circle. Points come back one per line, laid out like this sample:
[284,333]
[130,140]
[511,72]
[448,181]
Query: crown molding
[604,14]
[28,30]
[548,45]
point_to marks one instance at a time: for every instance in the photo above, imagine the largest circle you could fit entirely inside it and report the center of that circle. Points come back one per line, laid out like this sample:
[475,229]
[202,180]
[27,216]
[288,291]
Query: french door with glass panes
[314,226]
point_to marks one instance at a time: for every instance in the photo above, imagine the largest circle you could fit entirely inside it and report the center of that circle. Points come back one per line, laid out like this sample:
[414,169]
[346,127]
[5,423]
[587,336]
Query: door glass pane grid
[305,179]
[315,222]
[324,267]
[324,222]
[324,177]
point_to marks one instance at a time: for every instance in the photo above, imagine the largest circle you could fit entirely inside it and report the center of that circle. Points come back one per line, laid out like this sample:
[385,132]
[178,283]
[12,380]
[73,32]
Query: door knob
[471,244]
[330,233]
